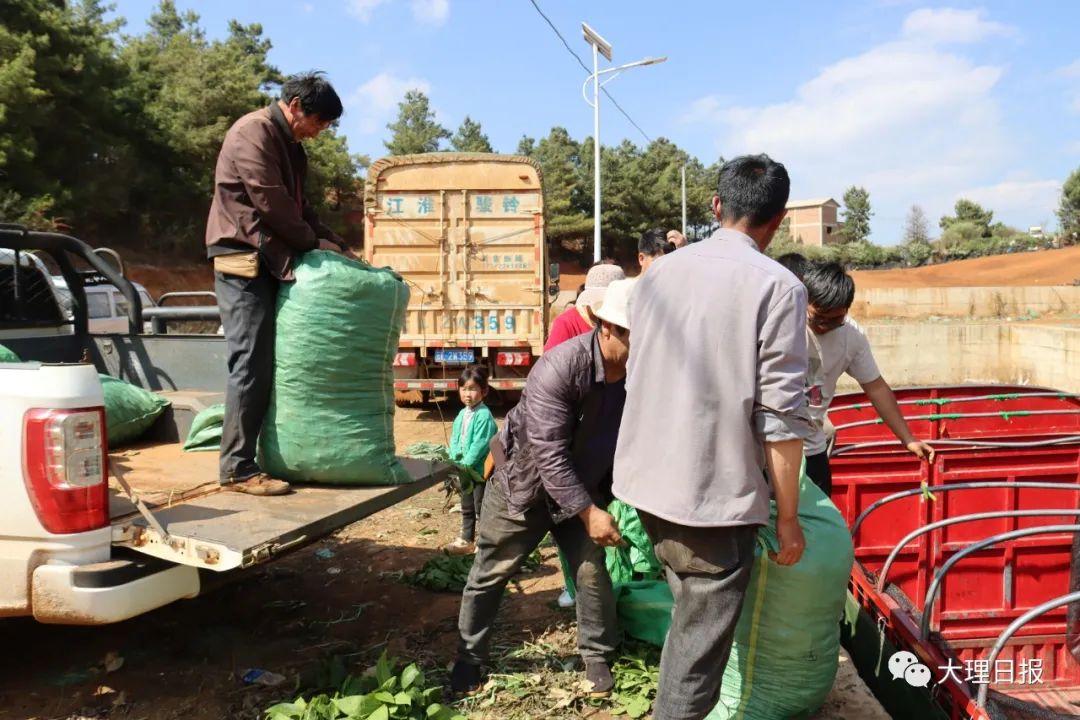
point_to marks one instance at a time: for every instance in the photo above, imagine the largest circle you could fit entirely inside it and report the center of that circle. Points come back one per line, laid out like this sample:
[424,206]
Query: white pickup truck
[88,537]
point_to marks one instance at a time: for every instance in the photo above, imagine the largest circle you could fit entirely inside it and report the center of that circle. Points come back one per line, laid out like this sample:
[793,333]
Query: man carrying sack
[258,222]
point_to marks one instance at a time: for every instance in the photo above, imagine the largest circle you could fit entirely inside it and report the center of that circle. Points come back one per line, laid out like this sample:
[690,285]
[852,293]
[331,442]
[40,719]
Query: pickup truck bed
[219,530]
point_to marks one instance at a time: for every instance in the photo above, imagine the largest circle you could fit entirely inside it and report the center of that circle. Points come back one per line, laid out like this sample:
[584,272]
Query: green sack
[129,410]
[787,642]
[8,355]
[331,413]
[205,433]
[634,561]
[644,610]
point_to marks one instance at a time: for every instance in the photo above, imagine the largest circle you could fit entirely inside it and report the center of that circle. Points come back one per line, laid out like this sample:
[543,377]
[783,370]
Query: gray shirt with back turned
[717,368]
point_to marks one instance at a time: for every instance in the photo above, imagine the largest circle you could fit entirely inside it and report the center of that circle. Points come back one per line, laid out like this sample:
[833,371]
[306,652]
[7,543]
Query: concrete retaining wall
[956,353]
[965,302]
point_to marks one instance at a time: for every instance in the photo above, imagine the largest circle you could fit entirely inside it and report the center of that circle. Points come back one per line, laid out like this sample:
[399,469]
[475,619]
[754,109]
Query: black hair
[795,263]
[655,243]
[317,96]
[828,286]
[755,187]
[477,374]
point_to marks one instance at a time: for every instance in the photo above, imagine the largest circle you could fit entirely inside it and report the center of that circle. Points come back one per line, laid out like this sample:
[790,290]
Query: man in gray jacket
[553,473]
[719,362]
[259,220]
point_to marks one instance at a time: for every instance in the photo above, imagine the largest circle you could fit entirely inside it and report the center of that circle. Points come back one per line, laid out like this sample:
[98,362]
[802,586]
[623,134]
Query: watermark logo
[905,666]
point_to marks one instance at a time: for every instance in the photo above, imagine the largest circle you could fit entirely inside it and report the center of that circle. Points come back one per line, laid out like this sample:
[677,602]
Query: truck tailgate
[218,530]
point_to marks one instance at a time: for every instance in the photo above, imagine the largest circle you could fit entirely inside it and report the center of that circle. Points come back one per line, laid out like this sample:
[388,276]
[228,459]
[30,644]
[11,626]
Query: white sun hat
[616,306]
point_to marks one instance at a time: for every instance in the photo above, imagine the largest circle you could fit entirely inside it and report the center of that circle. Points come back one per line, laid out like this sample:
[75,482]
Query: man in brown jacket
[259,221]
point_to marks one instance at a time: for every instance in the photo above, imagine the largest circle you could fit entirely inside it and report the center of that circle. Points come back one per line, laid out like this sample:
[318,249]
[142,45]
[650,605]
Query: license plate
[455,357]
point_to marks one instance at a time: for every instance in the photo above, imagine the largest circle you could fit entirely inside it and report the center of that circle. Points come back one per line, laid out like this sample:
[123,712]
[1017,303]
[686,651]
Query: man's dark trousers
[247,319]
[503,542]
[708,570]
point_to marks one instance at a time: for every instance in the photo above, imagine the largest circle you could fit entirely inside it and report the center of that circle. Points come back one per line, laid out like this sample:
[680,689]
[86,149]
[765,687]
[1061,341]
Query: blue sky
[918,102]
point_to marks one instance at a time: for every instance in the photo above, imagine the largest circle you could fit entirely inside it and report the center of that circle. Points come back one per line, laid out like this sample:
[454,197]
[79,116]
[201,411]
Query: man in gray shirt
[719,360]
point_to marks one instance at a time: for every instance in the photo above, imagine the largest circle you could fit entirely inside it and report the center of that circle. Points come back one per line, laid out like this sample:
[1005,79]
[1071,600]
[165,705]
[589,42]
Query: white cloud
[1073,148]
[308,7]
[910,121]
[362,9]
[433,12]
[949,25]
[1071,70]
[376,101]
[1018,202]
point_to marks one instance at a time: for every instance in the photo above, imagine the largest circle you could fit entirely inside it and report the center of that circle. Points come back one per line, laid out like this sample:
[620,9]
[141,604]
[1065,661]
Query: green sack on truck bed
[205,432]
[129,410]
[8,355]
[331,414]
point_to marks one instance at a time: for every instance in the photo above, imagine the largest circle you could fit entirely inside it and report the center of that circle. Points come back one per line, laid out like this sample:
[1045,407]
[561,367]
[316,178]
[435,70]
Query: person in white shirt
[836,345]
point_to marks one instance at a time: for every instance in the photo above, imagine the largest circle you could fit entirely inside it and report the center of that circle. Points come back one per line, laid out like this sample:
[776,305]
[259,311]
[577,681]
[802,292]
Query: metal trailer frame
[1039,485]
[939,575]
[1024,619]
[956,521]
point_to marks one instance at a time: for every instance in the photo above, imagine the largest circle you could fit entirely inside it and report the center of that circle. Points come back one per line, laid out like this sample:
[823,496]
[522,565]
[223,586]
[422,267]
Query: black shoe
[599,674]
[466,678]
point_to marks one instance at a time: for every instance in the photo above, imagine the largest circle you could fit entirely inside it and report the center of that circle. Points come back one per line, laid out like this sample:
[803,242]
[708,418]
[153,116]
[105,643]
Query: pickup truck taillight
[65,465]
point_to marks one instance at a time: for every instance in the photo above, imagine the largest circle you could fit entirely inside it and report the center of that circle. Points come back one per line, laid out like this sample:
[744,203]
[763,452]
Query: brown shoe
[258,484]
[460,546]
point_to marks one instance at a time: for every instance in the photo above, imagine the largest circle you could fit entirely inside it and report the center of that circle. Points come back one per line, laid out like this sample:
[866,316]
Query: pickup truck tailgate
[218,530]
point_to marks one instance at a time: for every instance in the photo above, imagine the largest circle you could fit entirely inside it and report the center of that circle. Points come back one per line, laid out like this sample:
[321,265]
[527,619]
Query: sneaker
[456,509]
[258,484]
[460,546]
[598,673]
[466,679]
[565,600]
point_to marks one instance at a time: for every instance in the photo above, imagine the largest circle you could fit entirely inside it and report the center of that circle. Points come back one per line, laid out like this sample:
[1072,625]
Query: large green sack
[129,410]
[331,414]
[205,433]
[8,355]
[787,642]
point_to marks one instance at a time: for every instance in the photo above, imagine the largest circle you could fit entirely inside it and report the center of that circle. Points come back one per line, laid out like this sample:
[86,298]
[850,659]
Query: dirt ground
[292,616]
[1045,267]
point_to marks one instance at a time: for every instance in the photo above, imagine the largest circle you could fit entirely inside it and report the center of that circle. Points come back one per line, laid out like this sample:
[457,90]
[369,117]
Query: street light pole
[600,46]
[684,199]
[596,151]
